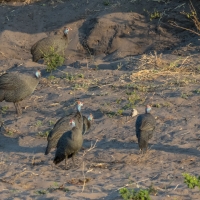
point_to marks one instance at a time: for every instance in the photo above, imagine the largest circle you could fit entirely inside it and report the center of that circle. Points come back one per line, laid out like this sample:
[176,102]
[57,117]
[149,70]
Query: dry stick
[91,147]
[176,25]
[176,187]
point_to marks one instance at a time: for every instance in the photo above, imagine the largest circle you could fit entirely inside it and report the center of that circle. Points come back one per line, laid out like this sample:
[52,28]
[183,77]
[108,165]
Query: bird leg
[65,163]
[18,108]
[73,160]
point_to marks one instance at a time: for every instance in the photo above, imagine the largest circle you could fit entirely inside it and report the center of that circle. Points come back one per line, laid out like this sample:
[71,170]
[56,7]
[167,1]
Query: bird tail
[58,158]
[1,96]
[143,140]
[48,149]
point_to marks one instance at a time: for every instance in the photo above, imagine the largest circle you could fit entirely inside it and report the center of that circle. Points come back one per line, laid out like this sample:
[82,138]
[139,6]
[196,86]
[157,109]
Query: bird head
[90,117]
[38,74]
[79,105]
[66,31]
[148,109]
[72,123]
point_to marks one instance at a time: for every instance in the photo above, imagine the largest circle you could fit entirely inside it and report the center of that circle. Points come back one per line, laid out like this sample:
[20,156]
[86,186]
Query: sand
[117,59]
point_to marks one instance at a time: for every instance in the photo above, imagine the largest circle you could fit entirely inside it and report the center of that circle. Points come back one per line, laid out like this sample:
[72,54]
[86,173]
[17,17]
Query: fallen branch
[172,23]
[91,147]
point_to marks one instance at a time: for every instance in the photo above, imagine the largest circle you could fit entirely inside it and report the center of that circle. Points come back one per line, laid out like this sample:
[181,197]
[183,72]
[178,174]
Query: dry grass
[153,66]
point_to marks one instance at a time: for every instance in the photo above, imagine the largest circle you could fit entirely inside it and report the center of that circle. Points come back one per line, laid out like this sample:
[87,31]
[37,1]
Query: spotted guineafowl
[56,42]
[87,123]
[61,126]
[14,87]
[145,126]
[70,142]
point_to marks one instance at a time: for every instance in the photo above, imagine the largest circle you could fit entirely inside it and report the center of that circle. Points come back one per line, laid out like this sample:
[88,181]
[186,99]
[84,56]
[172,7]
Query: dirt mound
[123,34]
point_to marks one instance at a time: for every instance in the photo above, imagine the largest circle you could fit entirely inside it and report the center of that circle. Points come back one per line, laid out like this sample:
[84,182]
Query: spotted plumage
[14,87]
[145,126]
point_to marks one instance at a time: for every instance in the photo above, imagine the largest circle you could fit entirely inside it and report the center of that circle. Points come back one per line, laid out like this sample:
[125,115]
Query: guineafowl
[87,123]
[70,142]
[61,126]
[145,126]
[56,42]
[14,87]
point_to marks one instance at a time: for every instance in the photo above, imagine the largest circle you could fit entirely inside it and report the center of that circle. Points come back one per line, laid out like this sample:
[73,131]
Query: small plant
[131,194]
[80,75]
[132,98]
[119,66]
[157,105]
[41,192]
[118,101]
[70,77]
[184,96]
[4,109]
[51,123]
[191,181]
[120,111]
[53,60]
[80,86]
[56,186]
[38,123]
[197,91]
[190,15]
[155,15]
[43,134]
[51,77]
[9,132]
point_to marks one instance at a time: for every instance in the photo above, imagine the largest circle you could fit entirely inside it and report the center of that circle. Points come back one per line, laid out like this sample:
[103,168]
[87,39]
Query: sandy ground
[117,59]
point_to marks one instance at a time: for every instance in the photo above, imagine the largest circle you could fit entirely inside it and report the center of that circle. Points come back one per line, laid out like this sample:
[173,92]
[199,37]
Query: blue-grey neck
[38,74]
[148,110]
[79,107]
[66,31]
[73,124]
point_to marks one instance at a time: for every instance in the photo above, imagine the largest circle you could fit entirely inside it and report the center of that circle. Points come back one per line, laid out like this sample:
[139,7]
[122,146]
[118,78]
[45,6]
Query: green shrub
[131,194]
[191,181]
[53,60]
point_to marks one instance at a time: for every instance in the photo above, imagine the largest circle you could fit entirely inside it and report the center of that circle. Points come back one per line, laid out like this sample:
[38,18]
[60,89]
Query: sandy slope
[107,82]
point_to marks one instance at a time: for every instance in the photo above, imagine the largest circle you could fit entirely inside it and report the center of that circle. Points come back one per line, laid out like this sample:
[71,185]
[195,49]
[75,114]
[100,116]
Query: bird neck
[79,108]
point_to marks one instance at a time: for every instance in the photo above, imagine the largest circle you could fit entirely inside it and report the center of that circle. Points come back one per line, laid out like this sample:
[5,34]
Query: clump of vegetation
[41,192]
[52,188]
[38,123]
[133,98]
[4,109]
[120,112]
[9,132]
[51,123]
[72,77]
[56,186]
[184,95]
[131,194]
[197,91]
[155,15]
[191,181]
[53,60]
[43,134]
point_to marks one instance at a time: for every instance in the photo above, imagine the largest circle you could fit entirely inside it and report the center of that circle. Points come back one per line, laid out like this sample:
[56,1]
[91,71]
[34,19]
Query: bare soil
[118,58]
